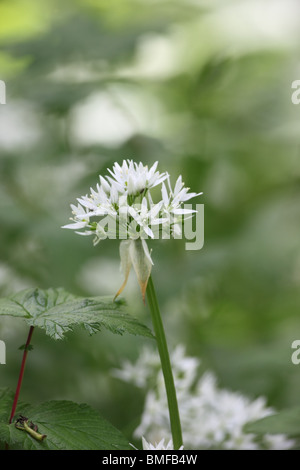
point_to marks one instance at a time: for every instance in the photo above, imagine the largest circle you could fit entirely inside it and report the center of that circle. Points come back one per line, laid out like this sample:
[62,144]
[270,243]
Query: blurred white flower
[140,373]
[158,446]
[211,417]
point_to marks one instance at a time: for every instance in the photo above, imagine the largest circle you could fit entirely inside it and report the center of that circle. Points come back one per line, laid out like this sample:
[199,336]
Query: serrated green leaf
[284,422]
[57,312]
[67,425]
[6,397]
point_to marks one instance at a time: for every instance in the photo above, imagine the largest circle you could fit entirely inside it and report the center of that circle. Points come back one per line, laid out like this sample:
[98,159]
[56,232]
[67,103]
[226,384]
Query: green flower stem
[165,364]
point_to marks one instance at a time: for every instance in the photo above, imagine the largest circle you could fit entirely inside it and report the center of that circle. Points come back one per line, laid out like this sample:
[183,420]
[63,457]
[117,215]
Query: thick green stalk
[165,364]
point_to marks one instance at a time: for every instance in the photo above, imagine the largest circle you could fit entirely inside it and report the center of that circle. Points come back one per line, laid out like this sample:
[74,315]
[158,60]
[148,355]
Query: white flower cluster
[211,418]
[122,206]
[158,446]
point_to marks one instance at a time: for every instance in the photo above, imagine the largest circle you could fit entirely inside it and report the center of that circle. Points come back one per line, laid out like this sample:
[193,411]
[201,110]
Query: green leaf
[6,400]
[27,348]
[284,422]
[67,425]
[57,312]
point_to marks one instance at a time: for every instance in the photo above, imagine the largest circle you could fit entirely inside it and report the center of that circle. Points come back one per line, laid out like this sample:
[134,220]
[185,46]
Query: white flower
[135,178]
[172,205]
[211,417]
[173,201]
[122,207]
[125,196]
[160,446]
[81,218]
[140,373]
[147,217]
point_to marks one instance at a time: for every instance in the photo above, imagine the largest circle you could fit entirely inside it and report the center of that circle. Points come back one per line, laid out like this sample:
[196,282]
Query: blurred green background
[205,88]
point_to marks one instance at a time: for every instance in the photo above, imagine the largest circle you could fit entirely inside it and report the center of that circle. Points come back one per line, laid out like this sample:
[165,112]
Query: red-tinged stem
[14,406]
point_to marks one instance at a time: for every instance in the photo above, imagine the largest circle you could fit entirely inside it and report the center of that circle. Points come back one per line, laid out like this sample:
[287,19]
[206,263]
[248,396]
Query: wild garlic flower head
[211,417]
[121,207]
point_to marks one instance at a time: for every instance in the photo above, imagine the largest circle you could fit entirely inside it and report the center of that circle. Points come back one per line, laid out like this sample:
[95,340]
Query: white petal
[164,194]
[144,207]
[146,251]
[114,195]
[116,184]
[154,182]
[75,226]
[131,165]
[86,203]
[178,185]
[154,211]
[148,231]
[97,212]
[85,234]
[153,169]
[104,185]
[133,213]
[77,209]
[188,196]
[130,185]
